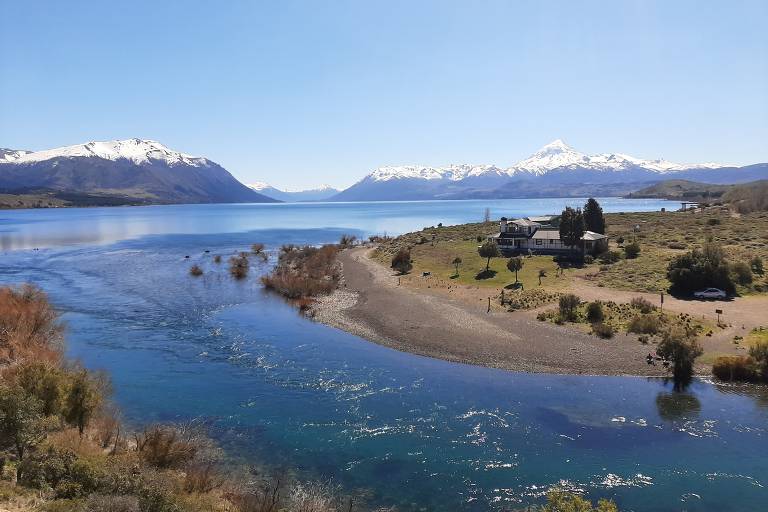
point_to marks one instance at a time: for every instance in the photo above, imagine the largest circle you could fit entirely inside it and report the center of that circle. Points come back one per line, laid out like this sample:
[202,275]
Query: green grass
[661,235]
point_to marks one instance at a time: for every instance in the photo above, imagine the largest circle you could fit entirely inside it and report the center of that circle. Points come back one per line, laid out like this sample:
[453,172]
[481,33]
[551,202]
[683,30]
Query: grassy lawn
[661,235]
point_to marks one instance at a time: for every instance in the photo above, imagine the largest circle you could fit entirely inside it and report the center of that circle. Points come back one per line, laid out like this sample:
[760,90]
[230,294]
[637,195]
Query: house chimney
[503,225]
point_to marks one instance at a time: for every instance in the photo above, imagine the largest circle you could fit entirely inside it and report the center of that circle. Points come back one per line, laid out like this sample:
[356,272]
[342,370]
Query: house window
[538,242]
[551,242]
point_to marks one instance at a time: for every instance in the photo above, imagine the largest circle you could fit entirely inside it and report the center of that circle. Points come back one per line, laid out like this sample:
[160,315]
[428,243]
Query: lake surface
[418,433]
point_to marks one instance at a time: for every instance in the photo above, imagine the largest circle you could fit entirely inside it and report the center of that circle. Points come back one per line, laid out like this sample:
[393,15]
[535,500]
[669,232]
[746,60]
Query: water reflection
[677,405]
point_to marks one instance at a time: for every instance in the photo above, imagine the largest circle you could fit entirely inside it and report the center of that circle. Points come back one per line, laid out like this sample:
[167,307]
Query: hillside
[132,170]
[681,189]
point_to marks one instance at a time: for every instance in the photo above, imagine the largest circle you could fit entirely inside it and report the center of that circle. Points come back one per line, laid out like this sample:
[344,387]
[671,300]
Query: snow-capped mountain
[555,169]
[134,168]
[321,193]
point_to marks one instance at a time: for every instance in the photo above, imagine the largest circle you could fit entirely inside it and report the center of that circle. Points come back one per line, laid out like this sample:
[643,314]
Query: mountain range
[322,193]
[140,170]
[146,171]
[556,170]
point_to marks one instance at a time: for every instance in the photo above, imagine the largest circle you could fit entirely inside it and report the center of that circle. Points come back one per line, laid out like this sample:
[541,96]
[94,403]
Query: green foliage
[456,263]
[593,216]
[645,324]
[632,250]
[567,305]
[22,423]
[401,261]
[46,382]
[759,352]
[608,257]
[515,265]
[700,268]
[742,273]
[680,348]
[571,226]
[85,397]
[595,312]
[488,250]
[563,501]
[756,264]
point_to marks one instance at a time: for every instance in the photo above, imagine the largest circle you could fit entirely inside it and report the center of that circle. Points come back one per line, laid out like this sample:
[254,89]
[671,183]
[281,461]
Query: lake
[418,433]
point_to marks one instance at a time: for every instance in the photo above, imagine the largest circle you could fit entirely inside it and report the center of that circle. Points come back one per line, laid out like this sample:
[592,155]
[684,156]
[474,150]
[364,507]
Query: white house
[537,235]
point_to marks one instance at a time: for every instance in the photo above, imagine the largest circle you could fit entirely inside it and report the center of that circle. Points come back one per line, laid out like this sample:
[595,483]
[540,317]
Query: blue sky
[304,93]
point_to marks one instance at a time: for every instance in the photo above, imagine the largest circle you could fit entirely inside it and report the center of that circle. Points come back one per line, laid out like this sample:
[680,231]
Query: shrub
[195,270]
[488,250]
[609,257]
[30,326]
[217,258]
[401,261]
[238,266]
[713,221]
[645,324]
[165,446]
[677,245]
[735,368]
[304,271]
[595,312]
[759,352]
[567,306]
[742,273]
[678,347]
[619,239]
[257,248]
[603,330]
[589,259]
[347,240]
[642,304]
[111,503]
[756,264]
[632,250]
[700,268]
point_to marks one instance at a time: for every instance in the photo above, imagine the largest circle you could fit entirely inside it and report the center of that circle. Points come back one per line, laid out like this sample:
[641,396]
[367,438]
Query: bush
[645,324]
[257,248]
[742,273]
[603,330]
[677,245]
[111,503]
[401,261]
[588,259]
[217,258]
[713,221]
[595,312]
[643,305]
[195,271]
[735,368]
[678,347]
[759,352]
[609,257]
[700,268]
[304,271]
[632,250]
[756,264]
[238,266]
[567,306]
[164,446]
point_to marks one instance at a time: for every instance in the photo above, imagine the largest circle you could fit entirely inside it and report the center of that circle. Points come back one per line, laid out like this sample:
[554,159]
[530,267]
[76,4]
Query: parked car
[710,293]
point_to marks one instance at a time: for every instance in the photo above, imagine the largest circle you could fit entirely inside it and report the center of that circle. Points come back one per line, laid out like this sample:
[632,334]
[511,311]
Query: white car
[710,293]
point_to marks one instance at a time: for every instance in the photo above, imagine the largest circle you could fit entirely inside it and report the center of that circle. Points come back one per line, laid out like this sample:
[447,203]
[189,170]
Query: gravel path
[372,305]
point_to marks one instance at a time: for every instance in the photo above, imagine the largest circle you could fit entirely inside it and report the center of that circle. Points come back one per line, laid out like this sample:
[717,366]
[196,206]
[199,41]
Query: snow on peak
[553,155]
[259,185]
[138,151]
[451,172]
[11,155]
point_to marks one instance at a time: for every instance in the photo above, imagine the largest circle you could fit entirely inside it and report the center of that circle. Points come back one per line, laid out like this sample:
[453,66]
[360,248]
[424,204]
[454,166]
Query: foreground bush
[603,330]
[29,327]
[645,324]
[567,306]
[735,368]
[304,271]
[401,261]
[239,265]
[700,268]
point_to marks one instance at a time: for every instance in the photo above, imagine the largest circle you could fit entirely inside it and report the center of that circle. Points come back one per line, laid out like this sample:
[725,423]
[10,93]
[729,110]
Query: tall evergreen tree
[571,226]
[593,216]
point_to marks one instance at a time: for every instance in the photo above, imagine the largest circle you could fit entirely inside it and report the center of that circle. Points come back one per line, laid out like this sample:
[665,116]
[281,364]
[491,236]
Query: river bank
[451,324]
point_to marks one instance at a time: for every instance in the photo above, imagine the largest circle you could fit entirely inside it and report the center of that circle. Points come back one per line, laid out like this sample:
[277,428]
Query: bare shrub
[166,446]
[644,305]
[603,330]
[239,265]
[645,324]
[313,497]
[304,271]
[202,477]
[29,326]
[567,306]
[195,271]
[111,503]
